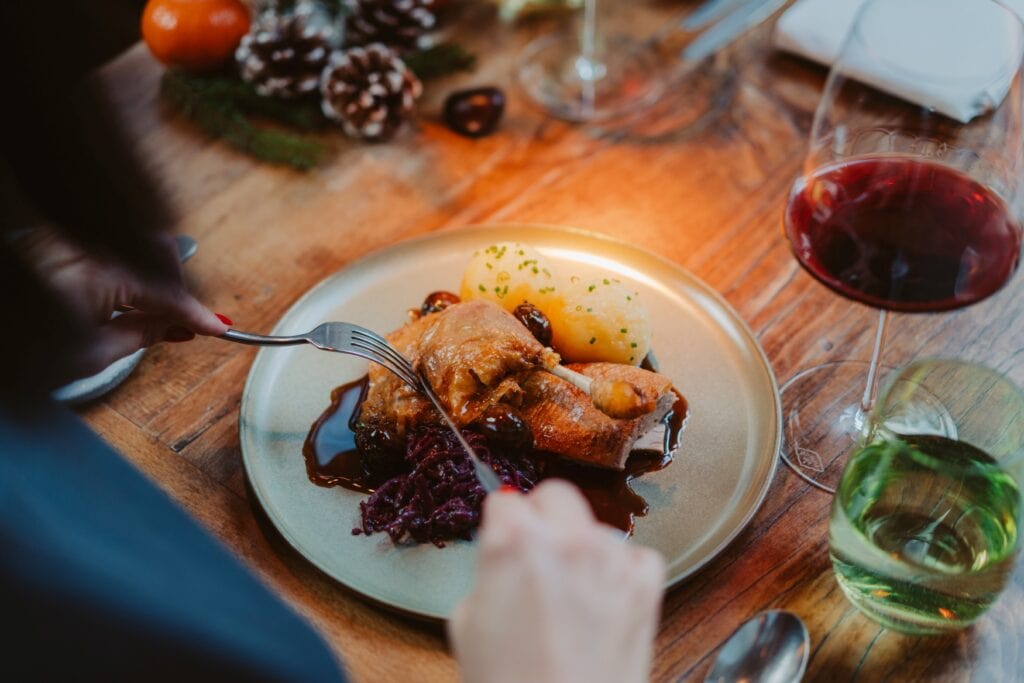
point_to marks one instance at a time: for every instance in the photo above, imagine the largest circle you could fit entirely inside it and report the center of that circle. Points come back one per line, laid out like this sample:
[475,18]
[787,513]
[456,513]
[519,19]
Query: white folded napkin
[968,77]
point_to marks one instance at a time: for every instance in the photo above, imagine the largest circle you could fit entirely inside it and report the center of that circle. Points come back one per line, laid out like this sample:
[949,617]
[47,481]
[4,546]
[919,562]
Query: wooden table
[709,198]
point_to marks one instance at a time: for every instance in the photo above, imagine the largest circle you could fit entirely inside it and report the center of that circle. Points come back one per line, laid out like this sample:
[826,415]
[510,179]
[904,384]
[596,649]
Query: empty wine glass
[594,73]
[902,206]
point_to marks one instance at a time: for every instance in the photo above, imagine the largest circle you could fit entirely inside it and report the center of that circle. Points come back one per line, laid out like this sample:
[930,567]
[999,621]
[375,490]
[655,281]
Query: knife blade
[484,474]
[729,29]
[708,12]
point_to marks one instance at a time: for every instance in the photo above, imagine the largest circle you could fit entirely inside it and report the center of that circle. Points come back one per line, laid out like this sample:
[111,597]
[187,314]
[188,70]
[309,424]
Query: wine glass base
[624,78]
[823,420]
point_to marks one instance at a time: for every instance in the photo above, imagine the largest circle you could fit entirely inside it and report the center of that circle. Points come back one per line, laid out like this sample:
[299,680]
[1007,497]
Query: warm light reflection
[667,286]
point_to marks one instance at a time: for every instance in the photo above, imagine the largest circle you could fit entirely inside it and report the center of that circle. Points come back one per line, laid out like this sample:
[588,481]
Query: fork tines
[386,354]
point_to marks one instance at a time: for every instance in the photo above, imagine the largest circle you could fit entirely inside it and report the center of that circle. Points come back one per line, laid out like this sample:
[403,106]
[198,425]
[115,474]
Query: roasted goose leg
[475,354]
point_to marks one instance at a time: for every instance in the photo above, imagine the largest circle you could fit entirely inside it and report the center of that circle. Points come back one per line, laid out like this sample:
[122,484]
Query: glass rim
[952,362]
[911,373]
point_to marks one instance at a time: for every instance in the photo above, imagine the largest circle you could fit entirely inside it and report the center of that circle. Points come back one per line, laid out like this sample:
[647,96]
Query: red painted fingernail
[508,488]
[224,319]
[178,334]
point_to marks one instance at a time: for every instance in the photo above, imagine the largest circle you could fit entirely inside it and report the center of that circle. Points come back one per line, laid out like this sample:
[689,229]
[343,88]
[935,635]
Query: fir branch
[304,114]
[280,147]
[214,104]
[440,60]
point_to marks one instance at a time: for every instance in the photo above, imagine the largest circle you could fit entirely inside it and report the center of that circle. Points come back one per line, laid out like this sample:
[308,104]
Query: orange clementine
[197,35]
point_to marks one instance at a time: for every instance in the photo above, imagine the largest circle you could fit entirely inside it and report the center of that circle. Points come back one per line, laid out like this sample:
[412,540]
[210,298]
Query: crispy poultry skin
[566,423]
[389,401]
[470,353]
[475,354]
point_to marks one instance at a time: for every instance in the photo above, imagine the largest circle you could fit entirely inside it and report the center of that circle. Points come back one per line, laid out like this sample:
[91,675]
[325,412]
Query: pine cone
[395,23]
[284,54]
[369,90]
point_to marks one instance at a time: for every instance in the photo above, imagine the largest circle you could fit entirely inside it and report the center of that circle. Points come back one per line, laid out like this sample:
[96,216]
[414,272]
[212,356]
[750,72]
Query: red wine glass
[910,200]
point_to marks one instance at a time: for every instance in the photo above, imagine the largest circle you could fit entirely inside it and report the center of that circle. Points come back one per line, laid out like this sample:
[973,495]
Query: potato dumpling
[509,273]
[600,320]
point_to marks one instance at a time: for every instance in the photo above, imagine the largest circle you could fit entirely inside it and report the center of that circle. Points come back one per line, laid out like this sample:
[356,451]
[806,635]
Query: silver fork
[343,338]
[359,341]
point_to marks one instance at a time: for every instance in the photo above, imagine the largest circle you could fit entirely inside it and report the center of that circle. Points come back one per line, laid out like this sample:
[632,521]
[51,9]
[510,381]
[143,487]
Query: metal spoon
[772,647]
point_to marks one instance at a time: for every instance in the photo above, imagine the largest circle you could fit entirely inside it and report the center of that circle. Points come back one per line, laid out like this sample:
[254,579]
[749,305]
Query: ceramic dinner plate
[697,505]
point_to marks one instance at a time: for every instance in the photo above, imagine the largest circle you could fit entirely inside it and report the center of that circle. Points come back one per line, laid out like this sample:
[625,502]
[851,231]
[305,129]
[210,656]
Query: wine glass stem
[588,68]
[588,38]
[867,401]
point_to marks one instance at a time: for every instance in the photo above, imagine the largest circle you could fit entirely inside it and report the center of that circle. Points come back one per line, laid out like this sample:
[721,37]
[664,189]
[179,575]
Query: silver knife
[484,474]
[709,11]
[729,29]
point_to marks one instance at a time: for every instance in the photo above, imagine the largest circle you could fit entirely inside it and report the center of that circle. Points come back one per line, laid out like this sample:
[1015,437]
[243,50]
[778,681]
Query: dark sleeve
[59,139]
[102,577]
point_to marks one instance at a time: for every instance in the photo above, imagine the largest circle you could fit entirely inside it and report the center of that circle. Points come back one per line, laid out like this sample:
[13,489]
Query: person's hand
[558,597]
[93,289]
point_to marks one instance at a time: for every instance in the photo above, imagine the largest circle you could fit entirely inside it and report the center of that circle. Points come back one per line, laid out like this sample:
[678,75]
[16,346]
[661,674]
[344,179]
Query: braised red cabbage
[438,497]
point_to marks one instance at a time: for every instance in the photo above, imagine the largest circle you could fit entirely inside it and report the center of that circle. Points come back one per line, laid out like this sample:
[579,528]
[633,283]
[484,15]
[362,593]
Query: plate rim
[410,243]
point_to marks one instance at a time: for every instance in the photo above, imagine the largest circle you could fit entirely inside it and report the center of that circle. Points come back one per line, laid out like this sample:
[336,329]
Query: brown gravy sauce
[332,459]
[330,447]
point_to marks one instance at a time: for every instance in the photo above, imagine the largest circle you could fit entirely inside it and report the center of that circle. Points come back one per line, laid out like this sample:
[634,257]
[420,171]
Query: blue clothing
[103,577]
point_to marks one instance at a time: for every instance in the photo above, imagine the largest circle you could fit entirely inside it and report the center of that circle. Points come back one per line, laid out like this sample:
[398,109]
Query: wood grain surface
[707,195]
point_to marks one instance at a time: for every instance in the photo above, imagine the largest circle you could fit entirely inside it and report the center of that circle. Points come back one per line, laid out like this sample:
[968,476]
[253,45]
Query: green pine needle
[441,60]
[221,105]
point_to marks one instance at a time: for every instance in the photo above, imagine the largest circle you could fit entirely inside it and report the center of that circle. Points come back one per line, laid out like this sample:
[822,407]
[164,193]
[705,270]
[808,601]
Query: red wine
[902,234]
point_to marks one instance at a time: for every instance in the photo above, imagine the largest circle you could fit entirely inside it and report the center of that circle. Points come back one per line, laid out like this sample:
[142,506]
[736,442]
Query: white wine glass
[926,523]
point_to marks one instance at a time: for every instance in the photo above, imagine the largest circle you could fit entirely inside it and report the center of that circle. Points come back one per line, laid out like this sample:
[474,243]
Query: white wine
[923,533]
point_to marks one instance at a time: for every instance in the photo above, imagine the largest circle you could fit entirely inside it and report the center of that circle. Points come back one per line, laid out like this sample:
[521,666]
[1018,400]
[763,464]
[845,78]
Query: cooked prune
[505,429]
[535,321]
[438,301]
[380,452]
